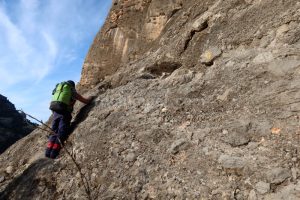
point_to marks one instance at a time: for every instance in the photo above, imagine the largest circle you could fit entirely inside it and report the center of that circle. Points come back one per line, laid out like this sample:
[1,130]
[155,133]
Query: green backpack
[61,98]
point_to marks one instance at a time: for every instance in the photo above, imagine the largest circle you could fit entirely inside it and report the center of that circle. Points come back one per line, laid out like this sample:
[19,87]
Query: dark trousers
[61,126]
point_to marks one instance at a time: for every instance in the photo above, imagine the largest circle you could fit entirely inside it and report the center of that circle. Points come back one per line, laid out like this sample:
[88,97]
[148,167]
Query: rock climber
[64,97]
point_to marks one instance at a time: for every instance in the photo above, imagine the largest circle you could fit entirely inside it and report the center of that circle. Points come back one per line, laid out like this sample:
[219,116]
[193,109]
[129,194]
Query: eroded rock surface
[165,125]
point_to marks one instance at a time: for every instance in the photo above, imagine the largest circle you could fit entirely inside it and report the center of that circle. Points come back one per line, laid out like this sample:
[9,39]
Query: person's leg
[53,146]
[55,149]
[55,121]
[64,127]
[50,145]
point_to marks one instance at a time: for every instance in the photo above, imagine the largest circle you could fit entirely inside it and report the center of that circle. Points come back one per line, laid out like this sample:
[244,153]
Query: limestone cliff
[130,30]
[13,125]
[194,100]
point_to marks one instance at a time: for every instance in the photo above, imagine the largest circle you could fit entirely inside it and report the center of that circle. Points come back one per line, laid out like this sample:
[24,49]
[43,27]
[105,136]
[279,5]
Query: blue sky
[43,42]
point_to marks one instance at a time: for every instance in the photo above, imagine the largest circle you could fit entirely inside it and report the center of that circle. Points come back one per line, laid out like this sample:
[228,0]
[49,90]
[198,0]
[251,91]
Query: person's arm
[82,99]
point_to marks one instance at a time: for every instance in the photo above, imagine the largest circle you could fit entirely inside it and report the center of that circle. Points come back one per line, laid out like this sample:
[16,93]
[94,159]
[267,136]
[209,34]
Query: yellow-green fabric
[63,93]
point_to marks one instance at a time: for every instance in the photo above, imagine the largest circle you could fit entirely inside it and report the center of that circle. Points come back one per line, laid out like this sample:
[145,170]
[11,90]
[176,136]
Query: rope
[49,130]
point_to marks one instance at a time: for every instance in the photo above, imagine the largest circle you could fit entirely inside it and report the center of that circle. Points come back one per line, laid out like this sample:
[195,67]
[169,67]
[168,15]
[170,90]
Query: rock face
[13,125]
[194,100]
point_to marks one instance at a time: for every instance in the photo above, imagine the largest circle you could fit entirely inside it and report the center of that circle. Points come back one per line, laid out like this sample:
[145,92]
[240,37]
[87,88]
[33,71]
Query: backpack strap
[61,89]
[54,90]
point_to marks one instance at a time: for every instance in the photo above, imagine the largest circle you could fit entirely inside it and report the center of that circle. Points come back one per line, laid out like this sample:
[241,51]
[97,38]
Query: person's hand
[90,99]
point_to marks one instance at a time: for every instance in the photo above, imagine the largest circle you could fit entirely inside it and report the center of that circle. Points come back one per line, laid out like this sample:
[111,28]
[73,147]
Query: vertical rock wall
[129,31]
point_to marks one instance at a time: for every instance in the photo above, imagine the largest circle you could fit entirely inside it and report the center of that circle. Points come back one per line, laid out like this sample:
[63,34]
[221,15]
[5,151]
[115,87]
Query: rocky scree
[194,100]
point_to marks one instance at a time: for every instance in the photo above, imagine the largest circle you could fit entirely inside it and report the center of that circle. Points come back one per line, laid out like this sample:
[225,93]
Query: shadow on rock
[29,185]
[82,115]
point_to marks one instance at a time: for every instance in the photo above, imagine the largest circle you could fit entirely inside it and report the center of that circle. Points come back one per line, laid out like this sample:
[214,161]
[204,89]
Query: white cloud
[52,47]
[21,55]
[44,42]
[29,10]
[15,41]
